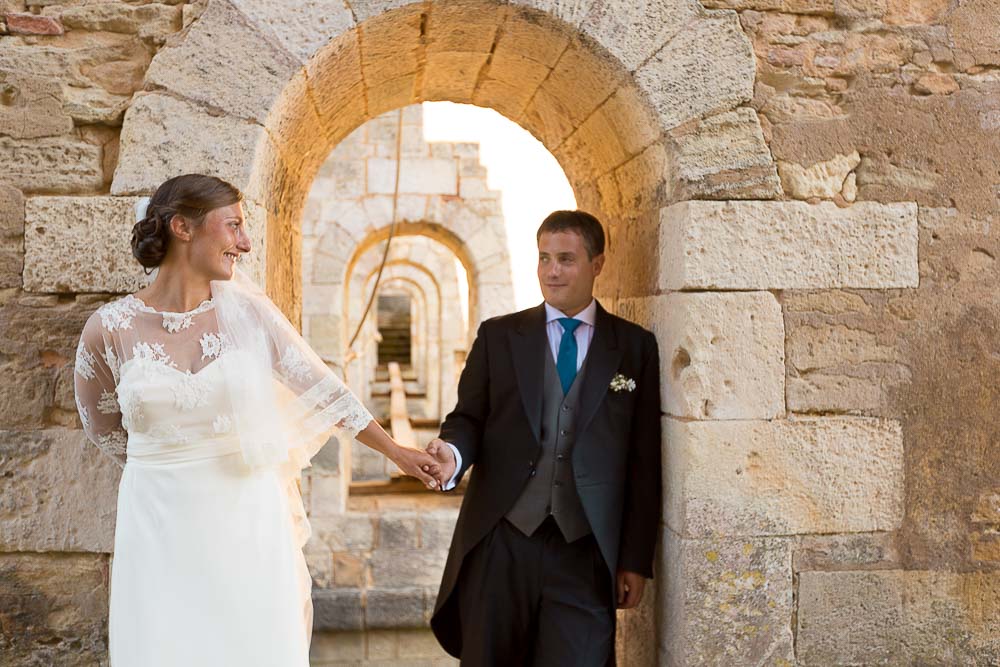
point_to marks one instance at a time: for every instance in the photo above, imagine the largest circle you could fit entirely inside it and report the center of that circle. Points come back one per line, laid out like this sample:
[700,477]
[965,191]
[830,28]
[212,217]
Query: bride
[212,403]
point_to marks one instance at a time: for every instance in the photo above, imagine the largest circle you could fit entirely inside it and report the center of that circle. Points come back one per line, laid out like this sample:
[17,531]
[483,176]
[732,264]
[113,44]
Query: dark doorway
[394,328]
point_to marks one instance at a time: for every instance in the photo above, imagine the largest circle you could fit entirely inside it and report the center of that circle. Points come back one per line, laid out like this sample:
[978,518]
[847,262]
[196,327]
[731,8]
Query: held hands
[444,457]
[421,465]
[630,586]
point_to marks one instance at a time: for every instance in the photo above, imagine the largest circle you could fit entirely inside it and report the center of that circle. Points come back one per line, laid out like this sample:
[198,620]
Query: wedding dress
[207,566]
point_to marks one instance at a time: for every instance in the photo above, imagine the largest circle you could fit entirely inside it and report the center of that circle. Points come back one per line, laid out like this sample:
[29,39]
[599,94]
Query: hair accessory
[140,208]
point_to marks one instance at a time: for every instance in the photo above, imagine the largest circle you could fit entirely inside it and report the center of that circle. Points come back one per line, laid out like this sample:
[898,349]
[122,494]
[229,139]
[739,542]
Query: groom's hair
[587,226]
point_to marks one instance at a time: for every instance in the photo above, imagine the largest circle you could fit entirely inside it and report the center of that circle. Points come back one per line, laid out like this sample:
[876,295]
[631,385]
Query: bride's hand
[419,464]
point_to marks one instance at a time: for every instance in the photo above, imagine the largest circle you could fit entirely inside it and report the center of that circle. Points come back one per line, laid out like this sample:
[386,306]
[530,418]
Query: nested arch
[612,94]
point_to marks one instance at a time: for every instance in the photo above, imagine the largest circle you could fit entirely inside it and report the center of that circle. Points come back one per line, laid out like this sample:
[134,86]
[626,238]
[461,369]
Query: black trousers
[535,601]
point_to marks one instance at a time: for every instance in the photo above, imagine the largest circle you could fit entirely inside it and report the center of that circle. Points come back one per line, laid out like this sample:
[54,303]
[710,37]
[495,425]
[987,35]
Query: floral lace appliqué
[222,424]
[84,415]
[294,365]
[131,408]
[174,322]
[170,433]
[118,314]
[213,345]
[111,359]
[85,362]
[152,352]
[190,393]
[108,403]
[113,443]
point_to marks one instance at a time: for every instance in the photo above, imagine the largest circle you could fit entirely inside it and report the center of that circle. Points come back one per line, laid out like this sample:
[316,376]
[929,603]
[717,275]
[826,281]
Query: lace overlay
[183,378]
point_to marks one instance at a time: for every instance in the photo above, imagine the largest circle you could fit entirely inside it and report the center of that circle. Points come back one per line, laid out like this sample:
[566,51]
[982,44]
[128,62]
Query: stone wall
[801,198]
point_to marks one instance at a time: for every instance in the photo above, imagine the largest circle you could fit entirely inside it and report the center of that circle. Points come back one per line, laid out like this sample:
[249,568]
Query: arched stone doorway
[646,108]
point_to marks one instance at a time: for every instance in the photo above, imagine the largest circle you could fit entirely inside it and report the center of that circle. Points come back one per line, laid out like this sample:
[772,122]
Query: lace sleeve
[286,401]
[322,401]
[95,379]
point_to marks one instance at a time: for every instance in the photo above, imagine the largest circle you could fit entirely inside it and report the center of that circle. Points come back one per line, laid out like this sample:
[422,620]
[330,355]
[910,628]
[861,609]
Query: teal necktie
[566,359]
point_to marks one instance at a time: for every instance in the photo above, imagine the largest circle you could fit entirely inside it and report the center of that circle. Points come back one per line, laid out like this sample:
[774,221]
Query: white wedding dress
[208,566]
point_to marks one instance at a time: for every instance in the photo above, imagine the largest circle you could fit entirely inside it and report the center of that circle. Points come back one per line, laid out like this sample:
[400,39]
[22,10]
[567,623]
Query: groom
[559,413]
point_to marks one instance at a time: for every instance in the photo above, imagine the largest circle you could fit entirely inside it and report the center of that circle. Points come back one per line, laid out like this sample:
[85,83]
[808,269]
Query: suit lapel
[528,344]
[603,359]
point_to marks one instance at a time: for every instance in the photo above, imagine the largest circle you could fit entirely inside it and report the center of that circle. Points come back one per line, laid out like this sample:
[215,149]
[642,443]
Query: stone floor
[395,648]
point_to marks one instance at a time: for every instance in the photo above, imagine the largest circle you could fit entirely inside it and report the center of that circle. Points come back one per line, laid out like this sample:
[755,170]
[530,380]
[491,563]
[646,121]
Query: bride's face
[220,242]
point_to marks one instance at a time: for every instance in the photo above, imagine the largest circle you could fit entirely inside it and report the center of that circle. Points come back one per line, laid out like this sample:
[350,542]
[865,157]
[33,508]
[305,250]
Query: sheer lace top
[177,347]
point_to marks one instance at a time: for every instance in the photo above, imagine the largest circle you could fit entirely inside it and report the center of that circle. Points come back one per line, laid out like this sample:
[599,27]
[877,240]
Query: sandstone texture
[748,478]
[742,245]
[80,244]
[800,200]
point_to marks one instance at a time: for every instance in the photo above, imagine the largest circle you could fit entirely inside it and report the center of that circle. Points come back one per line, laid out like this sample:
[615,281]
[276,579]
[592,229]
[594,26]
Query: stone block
[394,608]
[723,157]
[61,164]
[222,42]
[32,106]
[899,617]
[581,81]
[783,245]
[780,477]
[337,610]
[349,531]
[419,643]
[349,570]
[332,648]
[843,353]
[548,118]
[725,602]
[327,494]
[60,492]
[721,355]
[55,608]
[398,531]
[381,644]
[336,85]
[824,179]
[635,126]
[436,528]
[32,24]
[633,32]
[80,244]
[393,568]
[428,176]
[93,106]
[859,551]
[302,28]
[707,68]
[154,21]
[453,76]
[146,160]
[11,236]
[462,25]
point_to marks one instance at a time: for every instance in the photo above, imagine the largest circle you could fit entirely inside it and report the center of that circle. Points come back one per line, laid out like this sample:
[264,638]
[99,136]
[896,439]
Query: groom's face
[565,272]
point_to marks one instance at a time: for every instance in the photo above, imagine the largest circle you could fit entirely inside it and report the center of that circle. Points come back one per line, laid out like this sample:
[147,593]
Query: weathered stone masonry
[801,198]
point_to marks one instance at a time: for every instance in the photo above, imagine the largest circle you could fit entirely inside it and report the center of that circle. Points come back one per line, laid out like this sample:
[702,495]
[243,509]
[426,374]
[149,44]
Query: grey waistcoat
[552,488]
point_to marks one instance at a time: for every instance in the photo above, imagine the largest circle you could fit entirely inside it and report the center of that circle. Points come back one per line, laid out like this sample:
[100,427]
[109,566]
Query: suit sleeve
[463,427]
[640,523]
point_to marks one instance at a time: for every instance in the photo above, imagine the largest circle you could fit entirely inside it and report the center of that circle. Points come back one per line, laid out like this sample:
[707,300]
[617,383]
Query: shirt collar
[587,315]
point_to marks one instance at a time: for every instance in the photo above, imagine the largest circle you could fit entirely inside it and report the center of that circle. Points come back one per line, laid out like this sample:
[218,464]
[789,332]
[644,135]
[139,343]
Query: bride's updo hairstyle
[191,196]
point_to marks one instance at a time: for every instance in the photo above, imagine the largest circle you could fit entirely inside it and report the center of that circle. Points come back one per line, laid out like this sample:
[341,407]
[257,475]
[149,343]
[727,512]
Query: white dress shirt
[553,329]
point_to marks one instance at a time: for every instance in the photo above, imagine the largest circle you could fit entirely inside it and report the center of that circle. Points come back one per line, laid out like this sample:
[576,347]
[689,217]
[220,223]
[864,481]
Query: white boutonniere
[621,383]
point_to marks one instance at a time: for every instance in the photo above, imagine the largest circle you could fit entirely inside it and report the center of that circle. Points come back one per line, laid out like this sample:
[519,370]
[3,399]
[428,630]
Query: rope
[392,231]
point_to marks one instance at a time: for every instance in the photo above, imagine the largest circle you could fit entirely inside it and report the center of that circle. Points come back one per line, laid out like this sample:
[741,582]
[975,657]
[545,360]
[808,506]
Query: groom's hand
[630,585]
[445,457]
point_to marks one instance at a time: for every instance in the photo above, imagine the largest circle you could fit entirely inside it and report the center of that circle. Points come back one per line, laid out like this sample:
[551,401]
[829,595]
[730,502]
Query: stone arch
[487,269]
[634,122]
